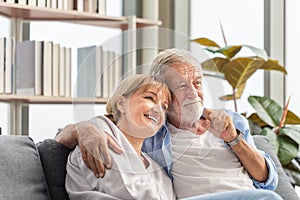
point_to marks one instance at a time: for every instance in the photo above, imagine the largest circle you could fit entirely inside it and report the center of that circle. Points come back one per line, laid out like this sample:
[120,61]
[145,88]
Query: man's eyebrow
[198,76]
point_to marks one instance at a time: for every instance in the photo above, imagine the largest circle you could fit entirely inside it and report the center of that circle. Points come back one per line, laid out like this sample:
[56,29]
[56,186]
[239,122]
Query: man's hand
[221,125]
[93,144]
[201,126]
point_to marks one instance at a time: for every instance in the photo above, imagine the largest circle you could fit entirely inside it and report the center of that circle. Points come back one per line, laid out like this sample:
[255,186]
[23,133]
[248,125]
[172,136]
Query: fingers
[105,154]
[218,120]
[114,146]
[84,157]
[93,161]
[207,113]
[222,125]
[203,126]
[96,164]
[94,146]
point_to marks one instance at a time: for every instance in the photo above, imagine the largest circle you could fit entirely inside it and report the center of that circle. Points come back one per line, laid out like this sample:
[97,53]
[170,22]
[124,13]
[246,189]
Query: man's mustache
[192,102]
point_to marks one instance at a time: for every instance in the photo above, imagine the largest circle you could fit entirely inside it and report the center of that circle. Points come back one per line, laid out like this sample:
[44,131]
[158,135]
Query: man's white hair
[169,56]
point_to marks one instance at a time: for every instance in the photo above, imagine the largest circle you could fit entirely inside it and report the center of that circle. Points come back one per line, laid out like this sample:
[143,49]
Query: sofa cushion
[285,188]
[20,169]
[54,159]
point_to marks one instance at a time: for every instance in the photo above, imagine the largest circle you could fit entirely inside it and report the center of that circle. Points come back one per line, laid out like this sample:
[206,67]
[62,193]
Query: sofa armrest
[285,188]
[21,173]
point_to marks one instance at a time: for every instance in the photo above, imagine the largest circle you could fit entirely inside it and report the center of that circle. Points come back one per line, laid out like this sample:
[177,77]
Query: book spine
[62,71]
[2,64]
[55,69]
[102,7]
[8,65]
[38,60]
[47,68]
[68,83]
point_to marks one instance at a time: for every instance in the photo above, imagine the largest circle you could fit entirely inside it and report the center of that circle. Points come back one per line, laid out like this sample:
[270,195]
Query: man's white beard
[191,112]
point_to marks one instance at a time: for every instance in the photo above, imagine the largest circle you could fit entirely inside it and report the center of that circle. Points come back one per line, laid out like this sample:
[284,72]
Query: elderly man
[213,154]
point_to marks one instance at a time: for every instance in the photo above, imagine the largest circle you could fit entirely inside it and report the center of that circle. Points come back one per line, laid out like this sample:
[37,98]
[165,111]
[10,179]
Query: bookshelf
[18,14]
[50,100]
[31,13]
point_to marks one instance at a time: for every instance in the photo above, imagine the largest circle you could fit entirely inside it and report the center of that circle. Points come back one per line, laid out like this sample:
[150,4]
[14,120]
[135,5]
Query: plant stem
[234,99]
[223,34]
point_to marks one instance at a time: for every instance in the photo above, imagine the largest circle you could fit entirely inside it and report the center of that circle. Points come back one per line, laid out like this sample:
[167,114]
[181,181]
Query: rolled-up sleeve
[272,181]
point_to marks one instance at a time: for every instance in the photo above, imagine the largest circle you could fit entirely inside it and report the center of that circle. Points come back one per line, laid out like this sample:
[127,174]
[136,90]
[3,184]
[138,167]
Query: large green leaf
[206,42]
[213,47]
[214,64]
[291,118]
[288,149]
[229,51]
[239,70]
[258,52]
[214,74]
[273,65]
[267,109]
[293,132]
[295,175]
[256,119]
[293,166]
[272,137]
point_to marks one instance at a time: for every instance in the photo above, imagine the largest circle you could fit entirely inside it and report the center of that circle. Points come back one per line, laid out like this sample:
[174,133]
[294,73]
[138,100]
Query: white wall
[292,54]
[243,24]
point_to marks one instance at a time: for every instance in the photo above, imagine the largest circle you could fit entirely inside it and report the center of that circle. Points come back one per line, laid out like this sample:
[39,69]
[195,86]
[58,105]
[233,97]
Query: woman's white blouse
[127,179]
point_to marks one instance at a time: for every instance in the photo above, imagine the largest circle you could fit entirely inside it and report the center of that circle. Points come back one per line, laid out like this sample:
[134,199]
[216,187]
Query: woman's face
[145,112]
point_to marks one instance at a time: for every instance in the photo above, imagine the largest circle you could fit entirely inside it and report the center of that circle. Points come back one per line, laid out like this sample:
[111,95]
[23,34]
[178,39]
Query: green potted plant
[282,127]
[235,70]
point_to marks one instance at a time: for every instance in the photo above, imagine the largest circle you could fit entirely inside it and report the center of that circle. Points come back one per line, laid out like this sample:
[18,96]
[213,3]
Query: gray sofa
[37,171]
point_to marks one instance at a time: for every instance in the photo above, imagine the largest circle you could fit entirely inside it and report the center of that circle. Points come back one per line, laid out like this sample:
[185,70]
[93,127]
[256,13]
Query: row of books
[92,6]
[43,68]
[98,71]
[6,65]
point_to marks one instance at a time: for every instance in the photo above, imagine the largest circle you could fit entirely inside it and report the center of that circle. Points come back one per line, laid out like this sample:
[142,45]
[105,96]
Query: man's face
[185,83]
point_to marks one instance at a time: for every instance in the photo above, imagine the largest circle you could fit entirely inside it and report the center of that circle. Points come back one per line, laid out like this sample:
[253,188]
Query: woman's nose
[158,109]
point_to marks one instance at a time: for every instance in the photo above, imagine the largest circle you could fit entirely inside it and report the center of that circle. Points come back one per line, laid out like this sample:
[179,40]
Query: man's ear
[121,104]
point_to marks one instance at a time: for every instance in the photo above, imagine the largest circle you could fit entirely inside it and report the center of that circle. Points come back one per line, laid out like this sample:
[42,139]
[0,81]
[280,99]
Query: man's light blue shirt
[159,148]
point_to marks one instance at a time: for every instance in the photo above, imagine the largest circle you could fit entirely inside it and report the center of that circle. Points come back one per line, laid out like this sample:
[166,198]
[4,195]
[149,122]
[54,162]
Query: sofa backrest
[285,188]
[54,159]
[21,173]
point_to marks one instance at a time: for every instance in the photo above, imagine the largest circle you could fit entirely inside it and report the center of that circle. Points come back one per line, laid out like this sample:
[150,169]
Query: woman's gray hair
[167,57]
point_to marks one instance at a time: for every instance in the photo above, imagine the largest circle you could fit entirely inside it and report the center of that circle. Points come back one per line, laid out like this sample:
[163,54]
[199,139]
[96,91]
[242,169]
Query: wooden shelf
[51,100]
[19,112]
[33,13]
